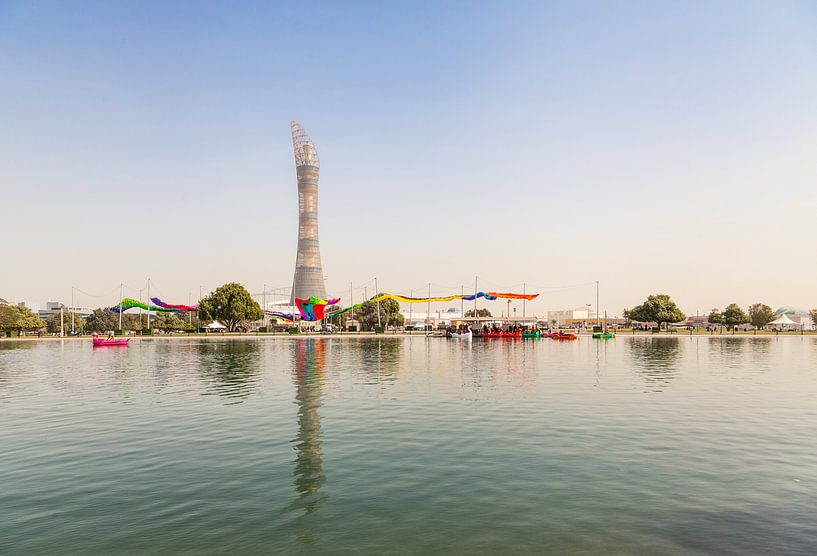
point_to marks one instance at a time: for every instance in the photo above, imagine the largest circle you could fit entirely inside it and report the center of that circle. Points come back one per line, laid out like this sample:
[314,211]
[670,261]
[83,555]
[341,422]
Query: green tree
[657,308]
[168,322]
[481,313]
[366,314]
[133,322]
[337,320]
[14,318]
[52,323]
[715,317]
[101,320]
[760,315]
[813,315]
[231,304]
[734,315]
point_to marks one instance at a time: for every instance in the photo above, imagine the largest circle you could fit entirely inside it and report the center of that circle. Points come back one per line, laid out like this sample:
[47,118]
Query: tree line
[661,309]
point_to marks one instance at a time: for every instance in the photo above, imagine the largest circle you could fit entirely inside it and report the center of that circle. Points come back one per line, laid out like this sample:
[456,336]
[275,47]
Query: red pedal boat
[563,336]
[501,335]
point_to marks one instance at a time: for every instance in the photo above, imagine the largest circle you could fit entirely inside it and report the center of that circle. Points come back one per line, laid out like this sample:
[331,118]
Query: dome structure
[789,310]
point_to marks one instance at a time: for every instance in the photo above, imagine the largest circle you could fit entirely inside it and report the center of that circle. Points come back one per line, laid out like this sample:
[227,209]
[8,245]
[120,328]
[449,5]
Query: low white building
[53,308]
[571,317]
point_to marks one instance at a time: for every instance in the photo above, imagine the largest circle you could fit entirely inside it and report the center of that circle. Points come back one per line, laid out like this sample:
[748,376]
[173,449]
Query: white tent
[215,325]
[782,322]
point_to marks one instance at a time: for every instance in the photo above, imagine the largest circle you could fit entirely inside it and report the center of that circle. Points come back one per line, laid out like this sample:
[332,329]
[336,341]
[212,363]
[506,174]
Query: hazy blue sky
[654,146]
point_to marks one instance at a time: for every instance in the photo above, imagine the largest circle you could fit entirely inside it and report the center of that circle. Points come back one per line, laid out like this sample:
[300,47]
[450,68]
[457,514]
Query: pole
[264,308]
[351,304]
[377,293]
[475,297]
[190,313]
[62,322]
[411,309]
[523,300]
[148,303]
[428,307]
[140,312]
[120,306]
[72,310]
[597,303]
[462,303]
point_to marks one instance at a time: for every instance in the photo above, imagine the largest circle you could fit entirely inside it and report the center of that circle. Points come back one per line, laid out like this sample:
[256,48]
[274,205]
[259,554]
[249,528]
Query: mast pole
[428,306]
[597,303]
[377,293]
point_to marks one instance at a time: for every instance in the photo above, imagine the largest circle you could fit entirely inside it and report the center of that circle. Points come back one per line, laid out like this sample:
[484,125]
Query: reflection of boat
[563,336]
[99,342]
[603,335]
[501,334]
[535,334]
[461,336]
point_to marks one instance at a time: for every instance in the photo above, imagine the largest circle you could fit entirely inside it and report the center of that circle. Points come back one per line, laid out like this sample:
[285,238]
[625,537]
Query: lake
[652,445]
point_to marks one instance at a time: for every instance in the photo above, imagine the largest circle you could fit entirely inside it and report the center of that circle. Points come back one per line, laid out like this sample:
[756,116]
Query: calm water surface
[410,445]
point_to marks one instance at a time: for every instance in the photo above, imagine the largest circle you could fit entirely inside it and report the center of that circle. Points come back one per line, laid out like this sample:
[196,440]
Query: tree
[657,308]
[231,304]
[14,318]
[760,315]
[54,322]
[366,314]
[101,320]
[168,322]
[715,317]
[734,315]
[813,315]
[133,322]
[338,320]
[481,313]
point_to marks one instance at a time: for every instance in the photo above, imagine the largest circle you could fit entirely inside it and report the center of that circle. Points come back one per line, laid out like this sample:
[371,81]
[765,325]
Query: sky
[655,147]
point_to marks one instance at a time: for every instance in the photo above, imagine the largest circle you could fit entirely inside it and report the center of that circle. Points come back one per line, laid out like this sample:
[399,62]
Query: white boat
[462,336]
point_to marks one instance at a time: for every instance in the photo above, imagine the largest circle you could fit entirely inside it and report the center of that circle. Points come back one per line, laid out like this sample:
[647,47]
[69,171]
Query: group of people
[461,329]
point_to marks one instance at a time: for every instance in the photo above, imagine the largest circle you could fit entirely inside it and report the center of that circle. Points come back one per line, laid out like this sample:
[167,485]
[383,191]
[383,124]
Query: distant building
[309,279]
[800,317]
[53,308]
[571,317]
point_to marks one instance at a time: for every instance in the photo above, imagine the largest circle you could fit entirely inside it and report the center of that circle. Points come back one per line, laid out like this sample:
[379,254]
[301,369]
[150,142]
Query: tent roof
[216,324]
[782,319]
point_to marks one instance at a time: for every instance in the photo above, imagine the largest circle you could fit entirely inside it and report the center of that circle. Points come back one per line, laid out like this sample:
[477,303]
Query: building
[308,278]
[571,317]
[800,317]
[53,308]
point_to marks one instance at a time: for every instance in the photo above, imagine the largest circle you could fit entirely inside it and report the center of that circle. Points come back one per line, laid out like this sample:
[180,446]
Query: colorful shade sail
[289,317]
[184,308]
[157,305]
[489,296]
[313,309]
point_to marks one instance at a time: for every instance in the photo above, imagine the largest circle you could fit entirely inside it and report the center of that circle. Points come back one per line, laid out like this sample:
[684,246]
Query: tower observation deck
[308,278]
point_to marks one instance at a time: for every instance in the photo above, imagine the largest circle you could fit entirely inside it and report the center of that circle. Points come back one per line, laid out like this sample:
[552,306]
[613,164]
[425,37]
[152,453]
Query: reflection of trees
[655,359]
[381,359]
[728,350]
[232,367]
[309,375]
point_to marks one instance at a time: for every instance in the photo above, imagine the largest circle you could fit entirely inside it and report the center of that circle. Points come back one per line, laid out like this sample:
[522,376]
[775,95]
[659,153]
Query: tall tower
[308,271]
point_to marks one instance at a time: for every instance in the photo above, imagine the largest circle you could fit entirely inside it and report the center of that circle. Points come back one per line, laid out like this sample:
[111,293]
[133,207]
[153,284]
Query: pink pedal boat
[100,342]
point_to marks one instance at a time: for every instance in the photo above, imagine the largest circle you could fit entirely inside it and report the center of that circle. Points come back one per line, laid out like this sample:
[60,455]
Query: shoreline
[250,335]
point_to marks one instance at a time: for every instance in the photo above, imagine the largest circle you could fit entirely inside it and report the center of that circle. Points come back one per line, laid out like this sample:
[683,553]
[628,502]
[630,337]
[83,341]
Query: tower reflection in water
[309,376]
